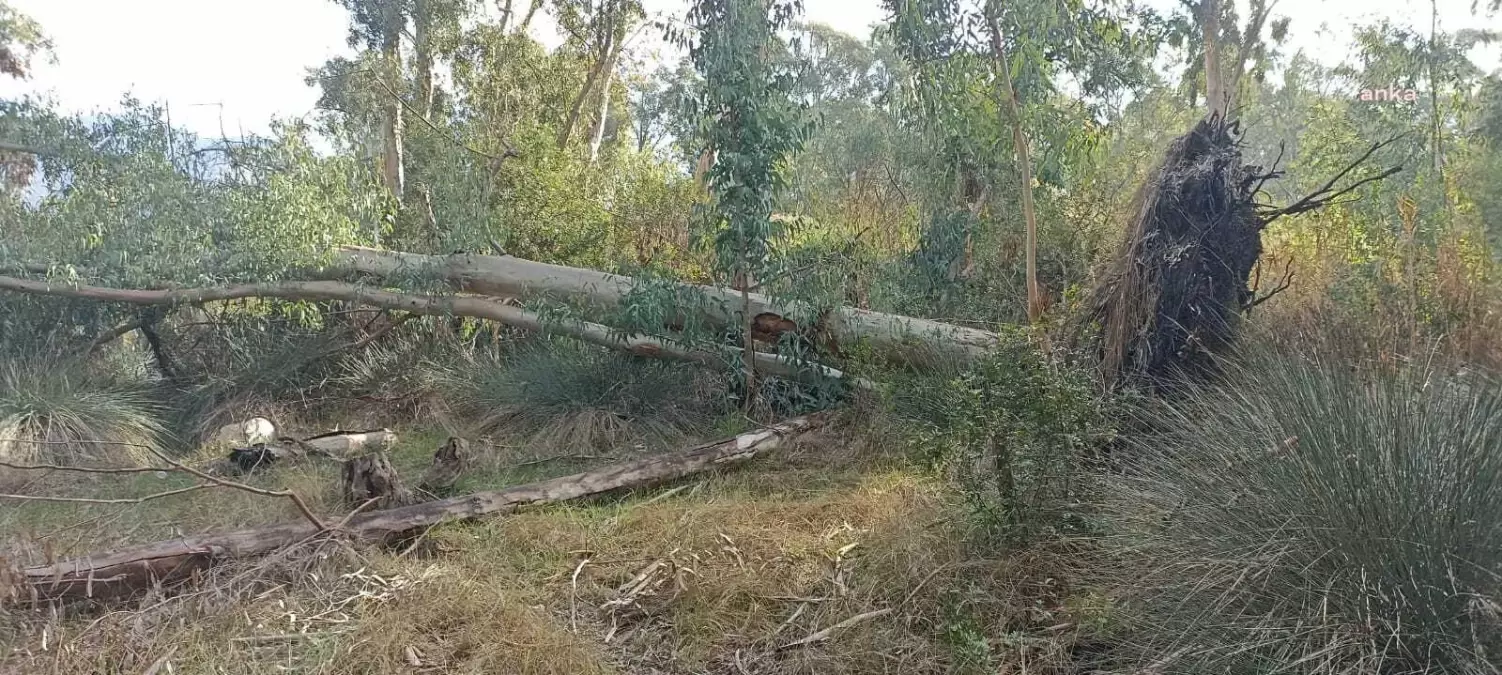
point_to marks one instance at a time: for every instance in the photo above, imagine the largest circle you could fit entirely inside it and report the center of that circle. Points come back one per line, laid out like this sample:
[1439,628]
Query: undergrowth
[566,396]
[1306,516]
[63,412]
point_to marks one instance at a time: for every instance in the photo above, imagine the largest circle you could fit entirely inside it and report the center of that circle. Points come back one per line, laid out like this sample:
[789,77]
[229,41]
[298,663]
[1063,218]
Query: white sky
[240,62]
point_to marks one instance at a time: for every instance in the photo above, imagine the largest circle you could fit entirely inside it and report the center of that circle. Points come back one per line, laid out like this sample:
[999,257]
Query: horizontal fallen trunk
[138,568]
[907,338]
[481,308]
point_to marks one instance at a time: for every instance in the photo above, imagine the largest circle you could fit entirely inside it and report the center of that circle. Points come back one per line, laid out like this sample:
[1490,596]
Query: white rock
[250,432]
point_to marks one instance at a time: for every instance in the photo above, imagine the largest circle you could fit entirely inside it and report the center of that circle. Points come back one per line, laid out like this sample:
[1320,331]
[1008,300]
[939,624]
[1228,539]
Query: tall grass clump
[559,394]
[62,412]
[1305,516]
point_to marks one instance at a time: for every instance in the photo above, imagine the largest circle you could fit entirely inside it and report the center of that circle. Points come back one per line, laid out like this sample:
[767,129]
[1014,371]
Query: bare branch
[85,500]
[509,152]
[6,146]
[296,499]
[1324,194]
[1283,285]
[77,469]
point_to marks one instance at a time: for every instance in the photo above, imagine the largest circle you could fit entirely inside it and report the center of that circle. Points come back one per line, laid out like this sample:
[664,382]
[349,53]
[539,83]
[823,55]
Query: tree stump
[451,460]
[371,477]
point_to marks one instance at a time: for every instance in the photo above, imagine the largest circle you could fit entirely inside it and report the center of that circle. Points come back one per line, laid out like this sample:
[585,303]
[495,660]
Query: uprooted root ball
[1173,294]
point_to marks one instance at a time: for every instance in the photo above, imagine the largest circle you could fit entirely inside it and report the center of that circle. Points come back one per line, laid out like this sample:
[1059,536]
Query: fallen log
[481,308]
[907,338]
[138,568]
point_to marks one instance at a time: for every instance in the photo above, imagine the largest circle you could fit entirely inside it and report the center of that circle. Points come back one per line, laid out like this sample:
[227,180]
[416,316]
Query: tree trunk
[431,306]
[702,166]
[422,38]
[138,568]
[449,462]
[1035,300]
[899,337]
[598,137]
[1249,40]
[391,122]
[531,12]
[577,108]
[1215,94]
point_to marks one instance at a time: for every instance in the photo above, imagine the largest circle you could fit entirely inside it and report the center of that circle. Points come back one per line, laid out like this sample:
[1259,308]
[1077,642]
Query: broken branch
[138,568]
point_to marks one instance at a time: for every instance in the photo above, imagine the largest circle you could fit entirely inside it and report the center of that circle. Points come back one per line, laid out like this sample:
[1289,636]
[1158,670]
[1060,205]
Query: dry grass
[729,570]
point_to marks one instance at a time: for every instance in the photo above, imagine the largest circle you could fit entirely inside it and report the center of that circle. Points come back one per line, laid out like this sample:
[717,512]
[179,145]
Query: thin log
[482,308]
[138,568]
[907,338]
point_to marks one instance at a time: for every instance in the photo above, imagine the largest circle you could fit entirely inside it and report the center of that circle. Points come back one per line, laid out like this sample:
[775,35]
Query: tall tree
[1016,53]
[1035,299]
[748,116]
[1216,98]
[599,32]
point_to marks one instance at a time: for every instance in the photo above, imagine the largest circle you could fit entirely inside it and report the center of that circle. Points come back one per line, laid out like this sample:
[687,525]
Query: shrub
[1015,432]
[58,412]
[567,395]
[1305,516]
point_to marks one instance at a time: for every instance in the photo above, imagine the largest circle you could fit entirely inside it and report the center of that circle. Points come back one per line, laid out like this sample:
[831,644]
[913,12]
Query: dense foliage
[1336,497]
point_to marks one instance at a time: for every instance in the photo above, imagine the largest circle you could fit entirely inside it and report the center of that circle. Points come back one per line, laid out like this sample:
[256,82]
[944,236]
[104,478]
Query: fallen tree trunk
[430,305]
[906,338]
[139,568]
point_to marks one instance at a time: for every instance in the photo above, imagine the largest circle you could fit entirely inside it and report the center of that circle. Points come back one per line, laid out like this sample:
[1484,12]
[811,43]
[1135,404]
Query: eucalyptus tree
[599,30]
[1221,54]
[21,40]
[981,76]
[745,112]
[382,82]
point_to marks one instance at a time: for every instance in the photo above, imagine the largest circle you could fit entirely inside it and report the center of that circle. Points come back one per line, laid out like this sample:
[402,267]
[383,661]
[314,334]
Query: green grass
[1305,516]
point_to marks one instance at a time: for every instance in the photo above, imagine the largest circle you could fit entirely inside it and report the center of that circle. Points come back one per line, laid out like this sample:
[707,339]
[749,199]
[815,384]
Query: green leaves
[746,114]
[21,40]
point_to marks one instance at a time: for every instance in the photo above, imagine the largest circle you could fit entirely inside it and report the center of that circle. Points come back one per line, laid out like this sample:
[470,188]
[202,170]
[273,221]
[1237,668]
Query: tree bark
[450,461]
[1260,11]
[902,338]
[531,12]
[597,138]
[428,305]
[577,108]
[1215,94]
[129,570]
[422,47]
[391,122]
[1035,300]
[371,477]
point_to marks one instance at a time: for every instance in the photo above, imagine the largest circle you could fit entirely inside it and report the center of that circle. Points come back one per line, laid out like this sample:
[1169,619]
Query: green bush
[1305,516]
[1015,431]
[59,412]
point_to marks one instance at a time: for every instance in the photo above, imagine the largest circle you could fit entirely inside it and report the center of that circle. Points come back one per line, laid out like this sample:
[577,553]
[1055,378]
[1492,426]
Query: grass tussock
[63,413]
[1305,516]
[563,396]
